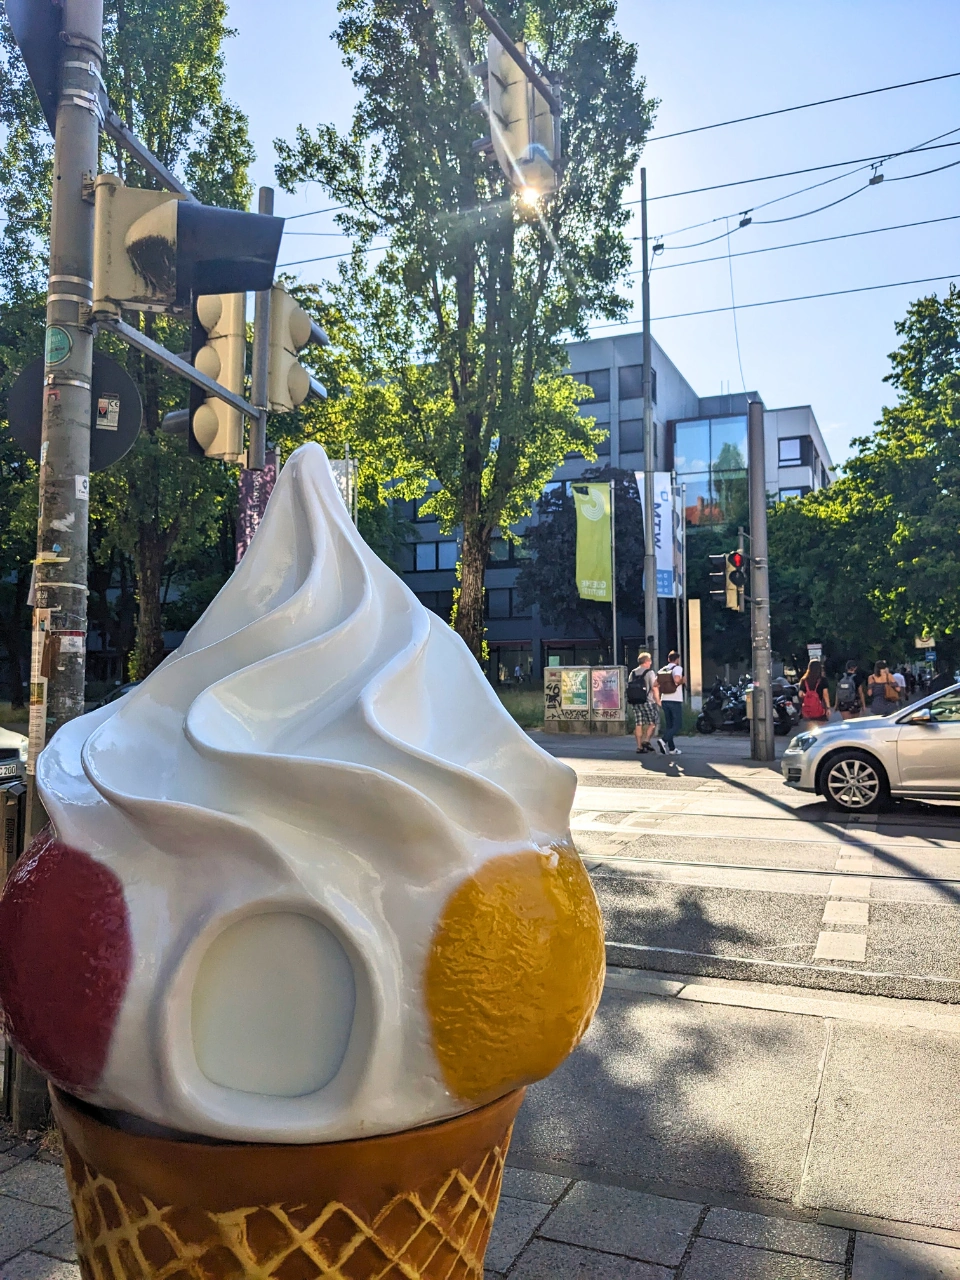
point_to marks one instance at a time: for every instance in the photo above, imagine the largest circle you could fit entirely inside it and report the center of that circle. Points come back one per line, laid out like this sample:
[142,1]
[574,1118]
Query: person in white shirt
[670,683]
[900,680]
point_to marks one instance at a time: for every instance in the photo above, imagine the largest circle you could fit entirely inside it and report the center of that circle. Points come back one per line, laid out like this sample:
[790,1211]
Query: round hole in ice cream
[273,1006]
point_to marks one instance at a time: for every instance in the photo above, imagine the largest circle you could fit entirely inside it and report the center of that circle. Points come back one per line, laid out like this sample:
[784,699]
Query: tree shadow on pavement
[672,1095]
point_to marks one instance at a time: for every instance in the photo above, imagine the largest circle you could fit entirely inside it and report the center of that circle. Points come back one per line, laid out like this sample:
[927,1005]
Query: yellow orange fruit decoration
[515,971]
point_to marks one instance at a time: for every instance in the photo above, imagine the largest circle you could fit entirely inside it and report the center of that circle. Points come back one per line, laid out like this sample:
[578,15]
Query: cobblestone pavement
[554,1228]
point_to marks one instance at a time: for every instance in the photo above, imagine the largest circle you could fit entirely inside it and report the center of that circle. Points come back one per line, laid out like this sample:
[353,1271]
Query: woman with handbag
[883,696]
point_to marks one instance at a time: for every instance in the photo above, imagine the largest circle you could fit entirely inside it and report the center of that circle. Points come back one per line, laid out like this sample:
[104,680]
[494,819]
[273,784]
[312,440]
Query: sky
[708,62]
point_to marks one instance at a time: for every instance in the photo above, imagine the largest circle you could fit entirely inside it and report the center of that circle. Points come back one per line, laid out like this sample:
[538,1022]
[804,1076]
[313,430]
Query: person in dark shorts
[644,696]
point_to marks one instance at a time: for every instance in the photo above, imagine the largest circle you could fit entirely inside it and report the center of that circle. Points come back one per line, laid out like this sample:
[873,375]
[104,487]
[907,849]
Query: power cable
[733,308]
[872,164]
[775,302]
[334,208]
[796,244]
[795,173]
[301,262]
[803,106]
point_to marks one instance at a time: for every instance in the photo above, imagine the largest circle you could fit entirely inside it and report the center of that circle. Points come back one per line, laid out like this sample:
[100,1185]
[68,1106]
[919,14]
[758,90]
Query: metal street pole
[58,657]
[761,725]
[650,619]
[613,567]
[256,452]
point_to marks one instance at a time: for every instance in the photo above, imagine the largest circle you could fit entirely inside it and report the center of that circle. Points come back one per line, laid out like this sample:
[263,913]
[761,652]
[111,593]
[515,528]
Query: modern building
[703,439]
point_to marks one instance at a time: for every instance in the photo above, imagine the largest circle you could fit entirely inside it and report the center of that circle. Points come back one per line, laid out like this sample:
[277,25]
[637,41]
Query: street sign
[924,642]
[815,652]
[116,410]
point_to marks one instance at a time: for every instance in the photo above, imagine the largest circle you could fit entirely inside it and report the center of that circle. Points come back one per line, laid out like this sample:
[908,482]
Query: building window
[425,554]
[447,555]
[499,551]
[710,456]
[438,602]
[631,382]
[789,452]
[631,435]
[504,602]
[792,493]
[599,382]
[603,448]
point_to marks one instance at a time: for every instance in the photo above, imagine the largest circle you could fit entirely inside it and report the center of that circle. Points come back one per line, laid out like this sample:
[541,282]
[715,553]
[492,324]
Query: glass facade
[710,457]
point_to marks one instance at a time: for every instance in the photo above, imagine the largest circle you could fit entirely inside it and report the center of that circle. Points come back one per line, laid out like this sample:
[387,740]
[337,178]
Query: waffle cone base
[417,1205]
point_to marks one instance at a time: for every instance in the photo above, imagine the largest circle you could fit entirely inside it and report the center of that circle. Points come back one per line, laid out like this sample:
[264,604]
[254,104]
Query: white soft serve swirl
[319,743]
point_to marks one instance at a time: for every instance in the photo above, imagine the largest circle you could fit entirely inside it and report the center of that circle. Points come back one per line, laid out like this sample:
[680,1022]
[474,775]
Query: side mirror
[922,716]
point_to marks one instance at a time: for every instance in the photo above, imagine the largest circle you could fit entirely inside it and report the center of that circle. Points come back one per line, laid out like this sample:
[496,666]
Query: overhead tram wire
[775,302]
[797,244]
[747,221]
[795,173]
[803,106]
[327,257]
[867,162]
[312,213]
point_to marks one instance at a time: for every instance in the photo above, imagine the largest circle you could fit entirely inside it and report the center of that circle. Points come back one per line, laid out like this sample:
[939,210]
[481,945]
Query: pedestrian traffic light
[218,349]
[524,133]
[291,329]
[156,251]
[735,579]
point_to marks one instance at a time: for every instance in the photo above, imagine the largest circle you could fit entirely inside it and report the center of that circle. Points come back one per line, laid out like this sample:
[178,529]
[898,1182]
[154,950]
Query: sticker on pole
[108,413]
[58,345]
[82,487]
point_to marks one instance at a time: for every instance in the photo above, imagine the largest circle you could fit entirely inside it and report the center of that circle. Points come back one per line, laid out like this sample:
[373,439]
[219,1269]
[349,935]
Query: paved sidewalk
[549,1228]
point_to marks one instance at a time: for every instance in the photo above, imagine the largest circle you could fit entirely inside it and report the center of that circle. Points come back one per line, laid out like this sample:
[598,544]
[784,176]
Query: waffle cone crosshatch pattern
[417,1205]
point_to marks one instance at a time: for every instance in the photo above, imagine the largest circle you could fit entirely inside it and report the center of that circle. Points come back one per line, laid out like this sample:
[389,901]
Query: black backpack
[637,689]
[847,691]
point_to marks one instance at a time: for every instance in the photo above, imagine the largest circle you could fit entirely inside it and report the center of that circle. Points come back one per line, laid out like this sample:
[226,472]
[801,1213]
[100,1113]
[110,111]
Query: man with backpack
[644,696]
[850,699]
[670,684]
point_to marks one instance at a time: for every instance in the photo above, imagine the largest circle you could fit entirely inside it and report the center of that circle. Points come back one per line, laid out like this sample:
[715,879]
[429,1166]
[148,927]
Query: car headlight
[802,742]
[24,748]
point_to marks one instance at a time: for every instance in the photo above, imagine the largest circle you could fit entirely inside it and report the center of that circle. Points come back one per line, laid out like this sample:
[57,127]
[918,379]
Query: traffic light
[291,329]
[735,579]
[156,251]
[523,131]
[218,349]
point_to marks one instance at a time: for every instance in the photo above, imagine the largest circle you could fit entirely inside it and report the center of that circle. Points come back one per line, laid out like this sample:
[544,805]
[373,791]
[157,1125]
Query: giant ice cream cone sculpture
[308,889]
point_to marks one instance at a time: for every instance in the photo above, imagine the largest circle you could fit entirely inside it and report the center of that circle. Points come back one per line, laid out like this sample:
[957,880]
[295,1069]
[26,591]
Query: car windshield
[946,708]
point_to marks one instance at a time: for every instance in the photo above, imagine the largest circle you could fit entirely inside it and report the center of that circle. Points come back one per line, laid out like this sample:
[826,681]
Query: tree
[165,76]
[464,313]
[547,575]
[876,557]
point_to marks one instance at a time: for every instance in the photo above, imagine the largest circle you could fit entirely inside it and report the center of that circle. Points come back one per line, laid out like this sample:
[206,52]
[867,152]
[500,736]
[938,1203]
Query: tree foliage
[463,314]
[874,560]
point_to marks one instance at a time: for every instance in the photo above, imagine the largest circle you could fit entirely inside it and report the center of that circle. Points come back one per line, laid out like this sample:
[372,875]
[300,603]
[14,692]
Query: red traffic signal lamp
[735,579]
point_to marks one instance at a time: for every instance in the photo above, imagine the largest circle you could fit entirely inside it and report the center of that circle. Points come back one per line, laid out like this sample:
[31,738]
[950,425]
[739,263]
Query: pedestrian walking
[883,694]
[644,696]
[670,680]
[900,680]
[850,697]
[814,695]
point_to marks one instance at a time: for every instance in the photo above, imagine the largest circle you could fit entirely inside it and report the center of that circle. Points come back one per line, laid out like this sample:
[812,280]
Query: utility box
[584,700]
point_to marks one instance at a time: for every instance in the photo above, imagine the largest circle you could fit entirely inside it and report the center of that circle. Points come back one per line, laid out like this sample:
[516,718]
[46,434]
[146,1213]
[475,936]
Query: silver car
[855,764]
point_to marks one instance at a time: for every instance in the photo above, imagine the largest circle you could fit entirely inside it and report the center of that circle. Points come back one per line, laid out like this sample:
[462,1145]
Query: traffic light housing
[218,349]
[291,329]
[735,579]
[156,251]
[524,133]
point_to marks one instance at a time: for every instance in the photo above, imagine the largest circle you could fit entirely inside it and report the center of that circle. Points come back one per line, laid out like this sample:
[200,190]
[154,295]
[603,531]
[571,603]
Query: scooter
[725,708]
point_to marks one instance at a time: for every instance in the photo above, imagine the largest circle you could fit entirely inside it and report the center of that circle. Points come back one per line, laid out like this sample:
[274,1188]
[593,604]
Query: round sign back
[116,412]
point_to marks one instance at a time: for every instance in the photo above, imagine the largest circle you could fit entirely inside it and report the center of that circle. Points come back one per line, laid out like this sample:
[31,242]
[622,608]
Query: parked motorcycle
[725,708]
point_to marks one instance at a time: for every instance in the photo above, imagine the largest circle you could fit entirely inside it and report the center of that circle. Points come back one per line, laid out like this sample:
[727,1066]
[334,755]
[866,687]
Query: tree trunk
[148,652]
[473,564]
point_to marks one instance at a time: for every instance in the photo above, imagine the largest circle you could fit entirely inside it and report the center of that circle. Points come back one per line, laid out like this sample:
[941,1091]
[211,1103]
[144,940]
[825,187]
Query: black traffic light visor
[224,250]
[36,28]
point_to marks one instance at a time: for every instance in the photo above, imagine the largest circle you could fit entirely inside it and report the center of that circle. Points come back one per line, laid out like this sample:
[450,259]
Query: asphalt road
[707,864]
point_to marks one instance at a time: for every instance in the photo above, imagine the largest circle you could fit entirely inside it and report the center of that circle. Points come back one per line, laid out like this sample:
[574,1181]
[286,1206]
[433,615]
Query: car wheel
[853,782]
